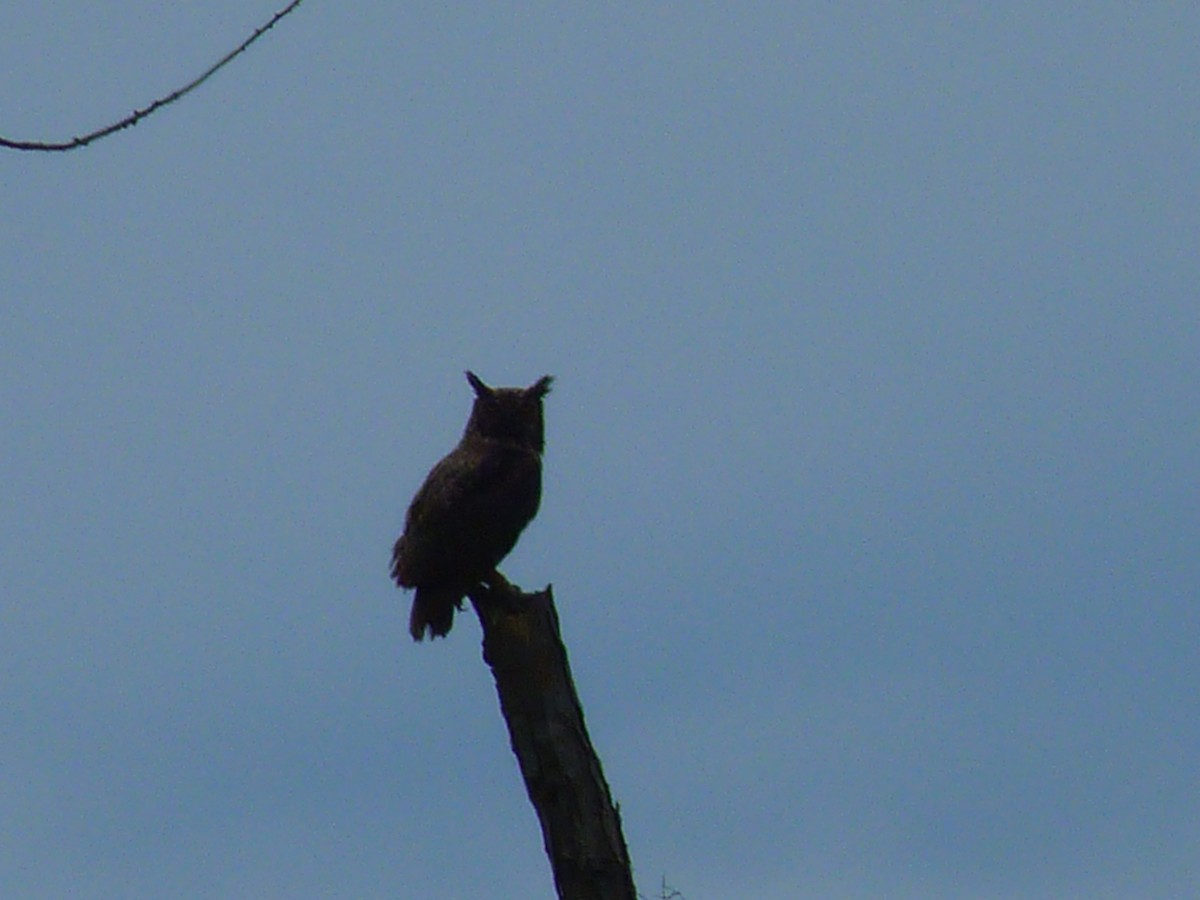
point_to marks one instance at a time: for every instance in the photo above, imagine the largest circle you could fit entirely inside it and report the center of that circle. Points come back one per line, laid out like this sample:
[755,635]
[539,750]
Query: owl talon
[499,591]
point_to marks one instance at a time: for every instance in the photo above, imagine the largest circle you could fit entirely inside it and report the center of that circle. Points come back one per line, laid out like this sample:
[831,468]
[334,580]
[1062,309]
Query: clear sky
[872,493]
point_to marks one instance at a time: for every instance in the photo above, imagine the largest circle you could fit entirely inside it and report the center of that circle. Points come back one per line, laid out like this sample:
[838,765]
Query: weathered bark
[581,826]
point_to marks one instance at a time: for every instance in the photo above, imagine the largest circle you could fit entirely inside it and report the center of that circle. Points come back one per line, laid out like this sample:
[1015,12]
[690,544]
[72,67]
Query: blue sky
[872,469]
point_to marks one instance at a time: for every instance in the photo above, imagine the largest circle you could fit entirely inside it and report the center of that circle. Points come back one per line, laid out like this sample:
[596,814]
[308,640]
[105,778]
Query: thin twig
[138,114]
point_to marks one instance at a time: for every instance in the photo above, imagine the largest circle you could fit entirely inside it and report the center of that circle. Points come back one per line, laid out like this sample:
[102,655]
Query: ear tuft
[541,387]
[481,389]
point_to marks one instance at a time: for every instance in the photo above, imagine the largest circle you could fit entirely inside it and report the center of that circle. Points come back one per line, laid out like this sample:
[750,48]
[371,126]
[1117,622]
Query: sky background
[872,493]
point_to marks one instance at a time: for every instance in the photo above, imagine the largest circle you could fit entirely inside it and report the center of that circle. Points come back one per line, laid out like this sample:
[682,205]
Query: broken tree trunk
[581,826]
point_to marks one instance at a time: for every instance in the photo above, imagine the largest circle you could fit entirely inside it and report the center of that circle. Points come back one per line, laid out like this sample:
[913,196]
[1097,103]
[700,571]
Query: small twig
[138,114]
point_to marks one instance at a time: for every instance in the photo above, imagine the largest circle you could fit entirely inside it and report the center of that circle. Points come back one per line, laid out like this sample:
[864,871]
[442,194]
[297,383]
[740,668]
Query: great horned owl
[473,505]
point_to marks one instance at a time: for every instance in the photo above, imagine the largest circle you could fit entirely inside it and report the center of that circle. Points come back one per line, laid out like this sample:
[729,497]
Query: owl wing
[467,515]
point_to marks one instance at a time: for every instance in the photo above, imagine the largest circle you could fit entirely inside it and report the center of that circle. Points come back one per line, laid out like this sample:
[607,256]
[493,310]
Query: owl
[473,505]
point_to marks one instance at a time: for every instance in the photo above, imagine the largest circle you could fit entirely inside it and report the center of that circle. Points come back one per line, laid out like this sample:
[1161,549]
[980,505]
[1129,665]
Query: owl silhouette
[473,505]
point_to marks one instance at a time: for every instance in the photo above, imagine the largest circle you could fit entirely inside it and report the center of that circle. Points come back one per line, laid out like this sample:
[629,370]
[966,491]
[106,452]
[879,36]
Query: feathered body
[473,505]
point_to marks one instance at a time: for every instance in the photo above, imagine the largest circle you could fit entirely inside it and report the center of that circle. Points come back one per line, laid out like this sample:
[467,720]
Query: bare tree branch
[138,114]
[581,825]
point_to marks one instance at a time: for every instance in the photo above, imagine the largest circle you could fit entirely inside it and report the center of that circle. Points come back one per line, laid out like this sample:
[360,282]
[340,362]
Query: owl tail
[433,609]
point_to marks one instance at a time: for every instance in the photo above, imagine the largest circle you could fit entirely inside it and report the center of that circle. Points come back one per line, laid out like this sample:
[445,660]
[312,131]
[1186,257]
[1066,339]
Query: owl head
[509,414]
